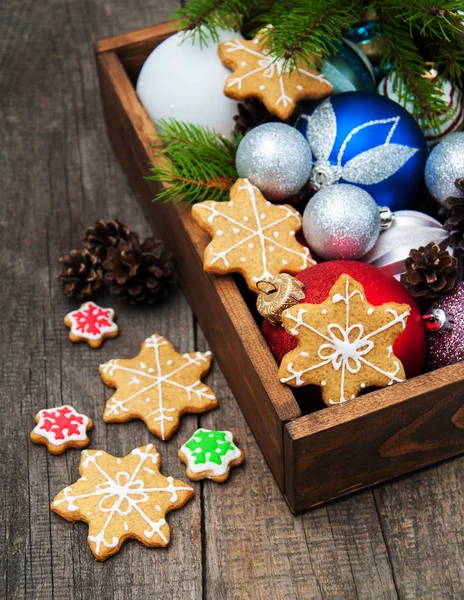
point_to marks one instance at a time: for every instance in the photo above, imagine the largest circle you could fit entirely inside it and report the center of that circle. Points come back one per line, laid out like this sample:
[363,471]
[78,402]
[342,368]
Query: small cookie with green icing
[210,454]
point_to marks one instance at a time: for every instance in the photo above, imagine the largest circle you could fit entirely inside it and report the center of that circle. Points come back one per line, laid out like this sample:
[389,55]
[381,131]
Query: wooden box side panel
[349,447]
[221,311]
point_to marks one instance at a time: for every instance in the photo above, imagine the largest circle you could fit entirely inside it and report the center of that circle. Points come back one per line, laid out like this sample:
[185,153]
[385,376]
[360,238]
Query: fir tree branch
[196,164]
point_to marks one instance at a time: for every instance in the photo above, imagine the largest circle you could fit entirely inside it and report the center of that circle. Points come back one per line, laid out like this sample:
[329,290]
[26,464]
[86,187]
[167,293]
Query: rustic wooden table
[403,539]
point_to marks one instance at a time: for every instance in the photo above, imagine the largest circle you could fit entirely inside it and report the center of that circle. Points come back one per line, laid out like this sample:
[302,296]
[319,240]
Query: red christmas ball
[410,346]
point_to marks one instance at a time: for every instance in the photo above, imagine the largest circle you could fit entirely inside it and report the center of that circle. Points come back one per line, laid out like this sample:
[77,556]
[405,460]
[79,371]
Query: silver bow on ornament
[367,168]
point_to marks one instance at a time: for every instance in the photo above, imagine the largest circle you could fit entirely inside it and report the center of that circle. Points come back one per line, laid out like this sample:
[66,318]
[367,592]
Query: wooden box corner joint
[315,457]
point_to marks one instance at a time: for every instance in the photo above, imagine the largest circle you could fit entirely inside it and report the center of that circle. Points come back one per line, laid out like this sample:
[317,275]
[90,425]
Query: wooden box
[314,457]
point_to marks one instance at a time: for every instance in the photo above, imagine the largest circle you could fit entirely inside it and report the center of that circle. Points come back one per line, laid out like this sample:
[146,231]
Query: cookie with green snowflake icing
[210,454]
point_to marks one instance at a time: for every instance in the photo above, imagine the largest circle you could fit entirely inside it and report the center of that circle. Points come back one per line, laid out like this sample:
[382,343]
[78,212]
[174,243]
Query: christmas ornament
[251,236]
[369,141]
[370,39]
[344,344]
[122,498]
[379,288]
[257,74]
[138,272]
[444,165]
[348,69]
[276,158]
[61,428]
[430,272]
[210,454]
[409,229]
[276,294]
[157,386]
[103,235]
[455,220]
[82,274]
[447,348]
[183,80]
[449,120]
[341,221]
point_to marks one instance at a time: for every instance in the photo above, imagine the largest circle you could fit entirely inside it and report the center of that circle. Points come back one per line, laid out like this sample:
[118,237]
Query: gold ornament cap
[276,294]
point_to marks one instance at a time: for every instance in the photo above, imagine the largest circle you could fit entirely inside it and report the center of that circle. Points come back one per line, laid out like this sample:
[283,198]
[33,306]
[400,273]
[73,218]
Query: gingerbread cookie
[61,428]
[344,344]
[91,324]
[210,454]
[251,236]
[158,386]
[122,498]
[256,74]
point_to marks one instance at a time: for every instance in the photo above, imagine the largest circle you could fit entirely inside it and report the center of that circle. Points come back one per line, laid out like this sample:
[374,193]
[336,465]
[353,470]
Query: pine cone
[251,113]
[455,220]
[82,275]
[103,235]
[138,272]
[430,272]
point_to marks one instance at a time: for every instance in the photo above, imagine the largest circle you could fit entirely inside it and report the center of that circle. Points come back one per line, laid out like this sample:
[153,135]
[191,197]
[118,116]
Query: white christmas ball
[276,158]
[444,165]
[184,81]
[341,222]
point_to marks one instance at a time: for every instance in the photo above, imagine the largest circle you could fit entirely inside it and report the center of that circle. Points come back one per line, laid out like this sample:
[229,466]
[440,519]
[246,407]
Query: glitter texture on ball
[276,158]
[341,221]
[444,165]
[447,348]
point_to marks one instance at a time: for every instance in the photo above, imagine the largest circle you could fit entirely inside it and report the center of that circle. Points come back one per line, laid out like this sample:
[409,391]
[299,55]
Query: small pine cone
[430,272]
[251,113]
[82,274]
[103,235]
[138,272]
[455,219]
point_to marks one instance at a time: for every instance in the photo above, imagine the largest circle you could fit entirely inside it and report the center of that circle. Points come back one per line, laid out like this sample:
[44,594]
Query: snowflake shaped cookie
[92,324]
[158,386]
[122,498]
[256,74]
[61,428]
[251,236]
[344,344]
[210,454]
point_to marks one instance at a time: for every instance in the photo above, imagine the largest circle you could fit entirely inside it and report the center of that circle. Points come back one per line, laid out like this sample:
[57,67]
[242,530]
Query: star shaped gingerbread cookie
[344,344]
[256,74]
[122,498]
[251,236]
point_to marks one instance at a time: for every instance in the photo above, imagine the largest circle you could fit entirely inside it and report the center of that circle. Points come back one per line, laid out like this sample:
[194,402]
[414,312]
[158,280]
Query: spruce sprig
[196,163]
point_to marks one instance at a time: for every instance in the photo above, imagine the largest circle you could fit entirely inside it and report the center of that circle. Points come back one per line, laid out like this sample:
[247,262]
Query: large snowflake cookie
[61,428]
[257,74]
[344,344]
[122,498]
[251,236]
[91,324]
[158,386]
[210,454]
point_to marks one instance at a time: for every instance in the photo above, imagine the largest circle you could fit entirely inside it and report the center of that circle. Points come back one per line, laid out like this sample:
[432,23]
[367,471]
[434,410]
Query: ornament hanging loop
[386,218]
[276,295]
[437,321]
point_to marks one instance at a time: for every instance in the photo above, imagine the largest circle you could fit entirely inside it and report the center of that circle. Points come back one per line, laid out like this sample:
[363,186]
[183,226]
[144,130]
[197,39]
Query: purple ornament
[447,348]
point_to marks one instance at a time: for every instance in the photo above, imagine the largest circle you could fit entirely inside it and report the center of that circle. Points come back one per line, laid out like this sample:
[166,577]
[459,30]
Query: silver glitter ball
[276,158]
[444,165]
[341,221]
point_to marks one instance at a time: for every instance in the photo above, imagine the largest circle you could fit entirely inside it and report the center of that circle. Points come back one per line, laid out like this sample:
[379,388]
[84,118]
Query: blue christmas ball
[369,141]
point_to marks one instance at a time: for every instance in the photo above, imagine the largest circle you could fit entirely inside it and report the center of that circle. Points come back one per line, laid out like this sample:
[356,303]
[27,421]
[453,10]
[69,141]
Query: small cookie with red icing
[92,324]
[61,428]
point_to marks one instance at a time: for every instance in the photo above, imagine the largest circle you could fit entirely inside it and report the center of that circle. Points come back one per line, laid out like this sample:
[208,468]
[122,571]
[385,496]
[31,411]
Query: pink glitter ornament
[446,345]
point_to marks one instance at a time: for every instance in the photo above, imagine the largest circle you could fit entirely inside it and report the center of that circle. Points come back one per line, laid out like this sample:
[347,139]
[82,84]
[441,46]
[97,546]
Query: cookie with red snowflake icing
[61,428]
[344,344]
[251,236]
[92,324]
[210,454]
[158,386]
[122,498]
[256,74]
